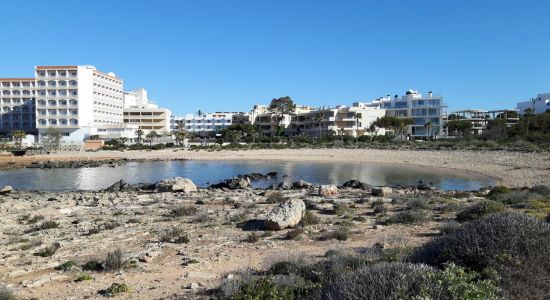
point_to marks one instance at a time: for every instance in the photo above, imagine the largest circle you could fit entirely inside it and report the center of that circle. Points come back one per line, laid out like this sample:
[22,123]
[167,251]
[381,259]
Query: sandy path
[508,168]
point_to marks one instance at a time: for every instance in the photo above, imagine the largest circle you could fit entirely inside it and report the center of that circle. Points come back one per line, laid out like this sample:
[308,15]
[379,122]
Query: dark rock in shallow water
[236,183]
[118,186]
[301,184]
[356,184]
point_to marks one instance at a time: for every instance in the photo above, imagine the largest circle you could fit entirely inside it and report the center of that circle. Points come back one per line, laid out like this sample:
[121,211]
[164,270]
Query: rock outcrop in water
[176,184]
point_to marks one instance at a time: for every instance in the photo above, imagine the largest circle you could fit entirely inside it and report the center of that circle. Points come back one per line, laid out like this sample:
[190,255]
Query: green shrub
[115,261]
[498,190]
[480,209]
[84,277]
[341,233]
[252,237]
[115,290]
[513,246]
[66,266]
[93,265]
[417,203]
[542,190]
[263,288]
[407,217]
[455,283]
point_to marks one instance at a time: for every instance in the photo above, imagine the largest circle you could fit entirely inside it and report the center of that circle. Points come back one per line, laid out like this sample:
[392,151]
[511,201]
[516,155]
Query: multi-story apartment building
[427,112]
[342,120]
[140,111]
[540,104]
[480,118]
[17,105]
[207,124]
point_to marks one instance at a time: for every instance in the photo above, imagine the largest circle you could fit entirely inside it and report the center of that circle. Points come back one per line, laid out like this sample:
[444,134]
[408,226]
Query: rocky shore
[177,239]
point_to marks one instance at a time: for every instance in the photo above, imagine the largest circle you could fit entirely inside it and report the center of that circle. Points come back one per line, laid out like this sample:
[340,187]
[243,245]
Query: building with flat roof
[540,104]
[207,124]
[427,112]
[480,118]
[142,112]
[17,105]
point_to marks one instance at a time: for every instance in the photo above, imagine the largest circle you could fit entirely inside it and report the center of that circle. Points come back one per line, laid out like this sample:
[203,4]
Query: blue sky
[225,55]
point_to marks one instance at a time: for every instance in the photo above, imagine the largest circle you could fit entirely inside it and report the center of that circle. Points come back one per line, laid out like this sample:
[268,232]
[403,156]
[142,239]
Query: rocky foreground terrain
[173,240]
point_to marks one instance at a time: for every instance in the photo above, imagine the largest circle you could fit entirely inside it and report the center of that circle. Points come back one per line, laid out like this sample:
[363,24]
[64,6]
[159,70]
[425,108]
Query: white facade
[539,104]
[17,105]
[424,110]
[77,101]
[208,122]
[341,120]
[145,114]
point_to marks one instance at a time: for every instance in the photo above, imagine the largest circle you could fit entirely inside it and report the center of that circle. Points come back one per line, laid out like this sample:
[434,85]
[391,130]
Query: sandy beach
[515,169]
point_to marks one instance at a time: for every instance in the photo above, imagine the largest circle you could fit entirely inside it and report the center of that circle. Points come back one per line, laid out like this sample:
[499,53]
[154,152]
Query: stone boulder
[176,184]
[328,190]
[356,184]
[6,190]
[285,185]
[236,183]
[118,186]
[381,191]
[285,215]
[301,184]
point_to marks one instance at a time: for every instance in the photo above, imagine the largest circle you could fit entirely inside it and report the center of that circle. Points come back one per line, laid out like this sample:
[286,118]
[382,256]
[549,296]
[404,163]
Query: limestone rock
[176,184]
[6,190]
[381,191]
[356,184]
[301,184]
[287,214]
[328,190]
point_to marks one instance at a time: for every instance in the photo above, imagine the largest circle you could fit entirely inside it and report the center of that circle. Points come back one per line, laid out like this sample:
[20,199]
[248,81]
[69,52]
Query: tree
[280,107]
[180,137]
[319,118]
[150,136]
[460,127]
[528,112]
[18,136]
[199,113]
[52,139]
[123,140]
[139,135]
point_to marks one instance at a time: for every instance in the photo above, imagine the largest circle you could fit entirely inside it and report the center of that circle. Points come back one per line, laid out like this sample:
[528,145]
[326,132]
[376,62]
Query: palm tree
[180,136]
[199,113]
[123,140]
[150,136]
[18,136]
[139,134]
[319,118]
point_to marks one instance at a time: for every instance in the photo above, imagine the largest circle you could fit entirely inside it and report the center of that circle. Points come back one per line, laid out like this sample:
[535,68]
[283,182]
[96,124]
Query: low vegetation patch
[48,251]
[407,217]
[275,197]
[480,209]
[175,235]
[183,211]
[83,277]
[309,218]
[66,266]
[115,289]
[6,293]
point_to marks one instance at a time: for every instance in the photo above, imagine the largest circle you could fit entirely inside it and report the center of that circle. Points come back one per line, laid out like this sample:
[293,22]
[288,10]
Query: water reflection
[207,172]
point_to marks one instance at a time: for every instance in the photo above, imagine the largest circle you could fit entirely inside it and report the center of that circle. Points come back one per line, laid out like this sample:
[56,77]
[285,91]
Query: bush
[542,190]
[455,283]
[263,288]
[184,211]
[275,197]
[309,218]
[515,197]
[93,265]
[380,281]
[48,251]
[498,190]
[252,238]
[84,277]
[48,225]
[407,217]
[513,246]
[115,289]
[417,203]
[175,235]
[480,209]
[380,209]
[66,266]
[115,261]
[294,234]
[341,233]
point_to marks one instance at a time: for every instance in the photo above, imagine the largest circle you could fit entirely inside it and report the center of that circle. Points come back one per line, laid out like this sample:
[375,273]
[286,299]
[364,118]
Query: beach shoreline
[514,169]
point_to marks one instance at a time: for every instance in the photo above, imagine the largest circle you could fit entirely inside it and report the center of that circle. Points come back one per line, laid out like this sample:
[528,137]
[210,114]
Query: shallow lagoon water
[204,173]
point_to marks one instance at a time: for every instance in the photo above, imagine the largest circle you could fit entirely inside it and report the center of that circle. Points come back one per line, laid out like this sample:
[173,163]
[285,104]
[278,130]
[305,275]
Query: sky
[221,55]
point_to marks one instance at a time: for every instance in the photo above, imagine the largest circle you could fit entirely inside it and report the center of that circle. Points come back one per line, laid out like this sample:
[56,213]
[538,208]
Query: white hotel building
[17,105]
[142,113]
[540,104]
[208,124]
